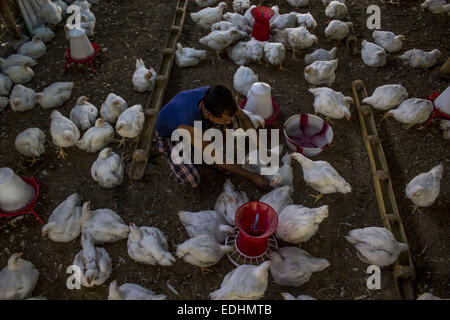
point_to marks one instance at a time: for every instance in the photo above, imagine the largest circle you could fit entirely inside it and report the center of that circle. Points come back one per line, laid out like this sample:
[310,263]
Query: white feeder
[259,100]
[15,193]
[443,101]
[80,46]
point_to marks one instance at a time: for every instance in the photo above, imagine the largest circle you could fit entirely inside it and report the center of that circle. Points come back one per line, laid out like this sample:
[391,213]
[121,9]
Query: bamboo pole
[8,17]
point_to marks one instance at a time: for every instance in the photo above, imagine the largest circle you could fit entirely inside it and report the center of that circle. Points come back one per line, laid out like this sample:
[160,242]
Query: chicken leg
[205,270]
[34,160]
[218,55]
[62,154]
[317,197]
[122,142]
[416,208]
[385,116]
[281,66]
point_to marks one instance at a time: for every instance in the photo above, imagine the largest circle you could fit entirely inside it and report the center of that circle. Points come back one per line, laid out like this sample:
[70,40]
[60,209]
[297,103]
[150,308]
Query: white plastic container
[307,134]
[259,100]
[15,193]
[443,101]
[80,46]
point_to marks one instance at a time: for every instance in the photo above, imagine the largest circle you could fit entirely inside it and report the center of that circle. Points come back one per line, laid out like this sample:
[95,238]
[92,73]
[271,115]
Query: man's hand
[261,182]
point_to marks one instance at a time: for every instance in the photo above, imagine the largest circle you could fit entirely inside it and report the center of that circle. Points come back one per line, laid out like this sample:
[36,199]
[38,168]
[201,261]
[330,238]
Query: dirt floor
[138,29]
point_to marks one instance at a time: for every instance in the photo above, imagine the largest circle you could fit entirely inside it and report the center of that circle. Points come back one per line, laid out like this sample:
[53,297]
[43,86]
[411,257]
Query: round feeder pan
[269,121]
[29,208]
[307,134]
[87,60]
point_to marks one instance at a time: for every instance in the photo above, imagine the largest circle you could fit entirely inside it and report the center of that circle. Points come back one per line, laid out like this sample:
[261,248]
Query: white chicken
[64,223]
[256,49]
[188,57]
[5,85]
[298,3]
[299,38]
[274,53]
[205,222]
[278,198]
[229,201]
[281,37]
[246,282]
[285,174]
[292,266]
[435,6]
[412,111]
[332,104]
[306,20]
[97,137]
[376,245]
[240,6]
[109,169]
[387,97]
[19,74]
[44,33]
[321,72]
[283,21]
[50,12]
[131,291]
[130,123]
[205,3]
[240,54]
[338,30]
[102,225]
[420,59]
[321,176]
[297,224]
[388,40]
[205,18]
[445,127]
[31,143]
[327,2]
[83,114]
[86,12]
[427,296]
[202,251]
[336,10]
[4,102]
[288,296]
[17,279]
[62,5]
[64,132]
[16,60]
[149,246]
[219,40]
[238,20]
[55,95]
[143,78]
[320,55]
[373,55]
[243,80]
[34,49]
[22,98]
[425,188]
[249,16]
[112,108]
[94,263]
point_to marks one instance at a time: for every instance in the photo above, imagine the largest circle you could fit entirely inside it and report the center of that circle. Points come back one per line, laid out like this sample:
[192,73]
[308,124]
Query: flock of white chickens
[289,266]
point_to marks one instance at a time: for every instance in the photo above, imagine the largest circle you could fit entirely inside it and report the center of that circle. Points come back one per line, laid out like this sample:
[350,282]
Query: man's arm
[257,179]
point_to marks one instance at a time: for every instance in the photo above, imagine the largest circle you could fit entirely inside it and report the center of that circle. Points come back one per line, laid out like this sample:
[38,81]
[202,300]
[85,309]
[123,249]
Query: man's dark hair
[219,100]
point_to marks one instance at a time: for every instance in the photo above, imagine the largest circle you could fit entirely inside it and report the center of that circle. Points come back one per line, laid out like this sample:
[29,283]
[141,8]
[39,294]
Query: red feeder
[261,26]
[87,61]
[29,208]
[269,121]
[256,222]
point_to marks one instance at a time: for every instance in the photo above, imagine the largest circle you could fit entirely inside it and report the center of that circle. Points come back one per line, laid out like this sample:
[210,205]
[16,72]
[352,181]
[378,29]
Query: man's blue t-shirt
[181,110]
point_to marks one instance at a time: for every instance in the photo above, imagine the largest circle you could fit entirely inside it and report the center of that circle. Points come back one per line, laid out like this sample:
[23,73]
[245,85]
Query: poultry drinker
[441,105]
[253,240]
[261,26]
[259,101]
[307,134]
[81,50]
[18,195]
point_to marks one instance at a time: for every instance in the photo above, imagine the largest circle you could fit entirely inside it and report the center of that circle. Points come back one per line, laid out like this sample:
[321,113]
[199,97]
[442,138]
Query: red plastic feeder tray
[261,26]
[269,121]
[29,208]
[87,61]
[256,222]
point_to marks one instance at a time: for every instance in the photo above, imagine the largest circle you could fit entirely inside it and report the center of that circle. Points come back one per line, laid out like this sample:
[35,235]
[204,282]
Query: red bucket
[261,26]
[256,222]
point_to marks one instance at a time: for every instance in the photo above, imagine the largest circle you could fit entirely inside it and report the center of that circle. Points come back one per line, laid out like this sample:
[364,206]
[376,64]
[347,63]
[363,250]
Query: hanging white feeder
[80,46]
[15,193]
[259,100]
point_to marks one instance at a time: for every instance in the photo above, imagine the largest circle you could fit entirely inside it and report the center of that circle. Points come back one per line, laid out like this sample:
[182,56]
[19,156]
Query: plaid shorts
[186,174]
